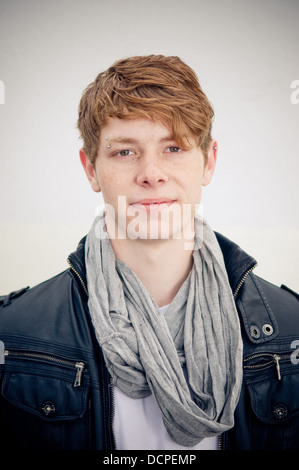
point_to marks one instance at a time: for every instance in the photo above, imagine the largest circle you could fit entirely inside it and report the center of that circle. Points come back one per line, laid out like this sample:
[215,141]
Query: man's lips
[153,204]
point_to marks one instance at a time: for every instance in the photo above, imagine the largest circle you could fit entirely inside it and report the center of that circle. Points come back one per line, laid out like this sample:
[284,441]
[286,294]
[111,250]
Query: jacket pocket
[44,401]
[272,381]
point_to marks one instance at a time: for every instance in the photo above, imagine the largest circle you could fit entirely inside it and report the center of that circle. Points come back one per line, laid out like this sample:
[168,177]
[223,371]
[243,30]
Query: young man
[159,335]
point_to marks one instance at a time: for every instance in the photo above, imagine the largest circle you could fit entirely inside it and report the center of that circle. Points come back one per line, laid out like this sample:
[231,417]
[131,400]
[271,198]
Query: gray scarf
[147,351]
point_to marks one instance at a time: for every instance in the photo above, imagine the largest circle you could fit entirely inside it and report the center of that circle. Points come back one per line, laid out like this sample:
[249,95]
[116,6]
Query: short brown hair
[154,87]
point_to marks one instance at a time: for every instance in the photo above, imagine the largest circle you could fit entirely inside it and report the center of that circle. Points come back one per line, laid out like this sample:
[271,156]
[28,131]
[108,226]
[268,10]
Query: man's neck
[161,265]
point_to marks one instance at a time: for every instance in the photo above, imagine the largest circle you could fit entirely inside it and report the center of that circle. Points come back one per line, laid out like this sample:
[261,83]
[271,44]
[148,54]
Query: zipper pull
[276,359]
[80,367]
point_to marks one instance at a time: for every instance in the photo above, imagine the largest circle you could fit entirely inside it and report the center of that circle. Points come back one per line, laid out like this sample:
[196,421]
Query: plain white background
[246,57]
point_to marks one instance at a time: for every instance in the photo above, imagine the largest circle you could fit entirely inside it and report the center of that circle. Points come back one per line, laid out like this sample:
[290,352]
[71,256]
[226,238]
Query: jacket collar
[237,261]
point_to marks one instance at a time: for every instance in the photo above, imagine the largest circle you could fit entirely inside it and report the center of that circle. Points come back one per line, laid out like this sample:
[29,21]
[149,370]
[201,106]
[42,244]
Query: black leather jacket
[55,388]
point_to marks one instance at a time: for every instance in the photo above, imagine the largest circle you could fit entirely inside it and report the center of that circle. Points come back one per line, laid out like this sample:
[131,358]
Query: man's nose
[151,171]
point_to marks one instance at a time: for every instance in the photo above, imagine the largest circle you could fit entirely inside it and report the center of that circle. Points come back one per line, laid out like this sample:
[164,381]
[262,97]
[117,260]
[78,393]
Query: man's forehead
[133,130]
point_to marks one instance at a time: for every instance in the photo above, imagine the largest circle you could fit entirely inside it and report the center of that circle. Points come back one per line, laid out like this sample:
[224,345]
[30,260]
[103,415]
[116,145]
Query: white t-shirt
[138,425]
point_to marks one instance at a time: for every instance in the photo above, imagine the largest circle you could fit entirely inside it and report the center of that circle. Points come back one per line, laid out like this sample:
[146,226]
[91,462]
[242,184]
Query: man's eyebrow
[132,140]
[126,140]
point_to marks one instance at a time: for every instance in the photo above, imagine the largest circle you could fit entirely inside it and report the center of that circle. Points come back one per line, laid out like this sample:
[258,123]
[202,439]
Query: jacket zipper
[78,365]
[243,279]
[112,412]
[78,276]
[274,359]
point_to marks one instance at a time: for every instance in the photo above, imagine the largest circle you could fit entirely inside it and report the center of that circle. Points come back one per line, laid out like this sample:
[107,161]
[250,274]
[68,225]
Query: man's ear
[210,163]
[90,171]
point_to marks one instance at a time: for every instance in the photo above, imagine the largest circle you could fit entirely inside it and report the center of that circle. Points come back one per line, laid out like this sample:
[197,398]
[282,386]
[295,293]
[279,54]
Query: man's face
[151,184]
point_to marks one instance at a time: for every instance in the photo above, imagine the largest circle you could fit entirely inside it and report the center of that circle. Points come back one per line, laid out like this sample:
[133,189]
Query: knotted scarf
[190,358]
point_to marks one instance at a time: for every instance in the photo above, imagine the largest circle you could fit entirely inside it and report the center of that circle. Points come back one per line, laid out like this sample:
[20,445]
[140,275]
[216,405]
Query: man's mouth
[153,204]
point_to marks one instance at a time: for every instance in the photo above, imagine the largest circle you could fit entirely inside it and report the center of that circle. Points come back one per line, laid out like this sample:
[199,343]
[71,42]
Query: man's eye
[124,153]
[173,149]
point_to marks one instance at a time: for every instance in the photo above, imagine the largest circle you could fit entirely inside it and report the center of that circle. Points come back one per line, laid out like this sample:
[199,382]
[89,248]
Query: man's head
[155,87]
